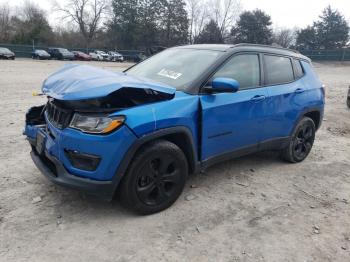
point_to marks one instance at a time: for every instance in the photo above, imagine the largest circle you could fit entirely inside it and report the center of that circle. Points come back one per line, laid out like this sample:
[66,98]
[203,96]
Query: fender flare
[124,164]
[303,113]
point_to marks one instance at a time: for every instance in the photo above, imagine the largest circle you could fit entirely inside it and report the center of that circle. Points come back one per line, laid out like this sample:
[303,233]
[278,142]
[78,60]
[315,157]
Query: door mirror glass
[224,84]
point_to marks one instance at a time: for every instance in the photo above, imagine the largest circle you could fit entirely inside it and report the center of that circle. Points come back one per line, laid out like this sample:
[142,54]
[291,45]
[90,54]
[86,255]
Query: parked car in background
[61,53]
[6,53]
[115,56]
[104,55]
[81,56]
[40,54]
[140,133]
[139,57]
[154,50]
[95,57]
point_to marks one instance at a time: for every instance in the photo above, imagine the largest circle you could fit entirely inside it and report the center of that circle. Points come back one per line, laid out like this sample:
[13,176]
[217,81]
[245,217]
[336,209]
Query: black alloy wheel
[158,179]
[301,141]
[155,178]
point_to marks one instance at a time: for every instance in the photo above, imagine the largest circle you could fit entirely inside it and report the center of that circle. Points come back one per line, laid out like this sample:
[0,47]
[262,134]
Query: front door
[232,121]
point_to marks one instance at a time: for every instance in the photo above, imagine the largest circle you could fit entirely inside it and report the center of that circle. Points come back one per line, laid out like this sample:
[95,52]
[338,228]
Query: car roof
[247,48]
[214,47]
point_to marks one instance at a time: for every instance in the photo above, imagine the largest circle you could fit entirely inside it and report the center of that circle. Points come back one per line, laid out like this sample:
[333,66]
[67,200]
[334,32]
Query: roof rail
[269,46]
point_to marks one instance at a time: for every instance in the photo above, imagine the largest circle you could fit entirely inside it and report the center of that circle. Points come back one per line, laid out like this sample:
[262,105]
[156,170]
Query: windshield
[4,50]
[41,52]
[177,67]
[63,50]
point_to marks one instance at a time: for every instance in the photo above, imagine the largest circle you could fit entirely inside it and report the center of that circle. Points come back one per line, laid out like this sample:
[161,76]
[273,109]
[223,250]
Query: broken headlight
[96,124]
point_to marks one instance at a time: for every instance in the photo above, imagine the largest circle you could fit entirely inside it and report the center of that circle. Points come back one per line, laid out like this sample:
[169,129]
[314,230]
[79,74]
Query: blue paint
[218,122]
[228,83]
[77,82]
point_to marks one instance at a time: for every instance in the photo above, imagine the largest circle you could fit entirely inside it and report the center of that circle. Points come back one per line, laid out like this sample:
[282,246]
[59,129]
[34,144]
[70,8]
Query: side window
[278,70]
[298,69]
[244,68]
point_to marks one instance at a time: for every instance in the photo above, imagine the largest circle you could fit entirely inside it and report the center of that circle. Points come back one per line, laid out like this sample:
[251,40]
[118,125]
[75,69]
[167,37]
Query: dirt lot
[255,208]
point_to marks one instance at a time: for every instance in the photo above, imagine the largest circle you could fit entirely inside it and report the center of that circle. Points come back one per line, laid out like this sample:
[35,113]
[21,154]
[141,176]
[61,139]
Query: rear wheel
[301,141]
[155,178]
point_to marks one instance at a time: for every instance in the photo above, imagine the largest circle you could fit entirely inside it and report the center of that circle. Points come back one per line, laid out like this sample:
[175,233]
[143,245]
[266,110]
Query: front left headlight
[96,124]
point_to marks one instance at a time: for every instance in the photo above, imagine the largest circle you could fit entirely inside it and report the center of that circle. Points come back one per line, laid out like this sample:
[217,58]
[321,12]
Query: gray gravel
[277,212]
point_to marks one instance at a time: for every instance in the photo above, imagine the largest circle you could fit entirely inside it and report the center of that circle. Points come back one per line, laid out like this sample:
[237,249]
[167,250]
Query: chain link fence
[328,55]
[317,55]
[26,50]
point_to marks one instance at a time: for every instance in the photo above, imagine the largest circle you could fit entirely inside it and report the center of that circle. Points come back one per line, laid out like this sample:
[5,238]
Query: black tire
[348,101]
[301,141]
[155,178]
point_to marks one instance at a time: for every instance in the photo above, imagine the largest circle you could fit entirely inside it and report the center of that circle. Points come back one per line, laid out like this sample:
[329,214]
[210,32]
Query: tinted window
[243,68]
[298,70]
[278,70]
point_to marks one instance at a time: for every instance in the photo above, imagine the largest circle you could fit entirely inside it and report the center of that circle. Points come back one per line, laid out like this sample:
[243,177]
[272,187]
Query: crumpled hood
[77,82]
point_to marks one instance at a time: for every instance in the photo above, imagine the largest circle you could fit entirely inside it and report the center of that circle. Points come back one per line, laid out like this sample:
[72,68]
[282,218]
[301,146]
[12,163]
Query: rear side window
[243,68]
[278,70]
[298,69]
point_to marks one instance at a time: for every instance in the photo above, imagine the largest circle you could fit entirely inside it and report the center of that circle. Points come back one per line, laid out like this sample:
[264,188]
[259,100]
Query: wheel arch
[315,113]
[179,135]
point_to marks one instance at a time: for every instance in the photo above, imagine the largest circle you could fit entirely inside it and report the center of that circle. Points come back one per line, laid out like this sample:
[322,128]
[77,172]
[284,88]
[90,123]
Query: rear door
[285,101]
[232,121]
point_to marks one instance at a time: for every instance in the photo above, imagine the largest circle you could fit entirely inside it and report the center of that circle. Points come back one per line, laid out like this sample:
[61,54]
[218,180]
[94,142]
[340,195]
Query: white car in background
[104,55]
[95,57]
[115,56]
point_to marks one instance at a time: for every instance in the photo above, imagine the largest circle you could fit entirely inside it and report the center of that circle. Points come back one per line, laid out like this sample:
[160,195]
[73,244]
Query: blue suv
[141,132]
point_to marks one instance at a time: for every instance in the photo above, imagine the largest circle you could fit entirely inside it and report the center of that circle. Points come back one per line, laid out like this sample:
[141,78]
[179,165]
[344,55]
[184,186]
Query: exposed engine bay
[61,111]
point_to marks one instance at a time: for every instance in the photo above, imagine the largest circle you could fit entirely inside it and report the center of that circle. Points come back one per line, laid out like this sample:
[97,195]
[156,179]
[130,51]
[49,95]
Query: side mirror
[223,85]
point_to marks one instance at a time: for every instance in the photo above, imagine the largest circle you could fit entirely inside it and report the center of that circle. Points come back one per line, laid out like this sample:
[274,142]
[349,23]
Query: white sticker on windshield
[169,73]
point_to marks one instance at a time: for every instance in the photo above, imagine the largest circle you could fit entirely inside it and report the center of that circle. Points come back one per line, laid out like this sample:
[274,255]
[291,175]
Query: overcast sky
[291,13]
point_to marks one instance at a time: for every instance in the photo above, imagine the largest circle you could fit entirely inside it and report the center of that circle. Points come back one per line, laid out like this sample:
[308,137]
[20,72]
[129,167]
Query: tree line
[143,24]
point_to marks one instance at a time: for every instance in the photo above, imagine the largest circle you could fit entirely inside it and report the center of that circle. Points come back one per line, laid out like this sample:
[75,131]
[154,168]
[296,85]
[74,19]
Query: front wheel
[301,141]
[155,178]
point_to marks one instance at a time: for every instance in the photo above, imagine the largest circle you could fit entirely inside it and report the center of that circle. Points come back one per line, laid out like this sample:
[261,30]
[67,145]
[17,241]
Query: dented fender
[180,111]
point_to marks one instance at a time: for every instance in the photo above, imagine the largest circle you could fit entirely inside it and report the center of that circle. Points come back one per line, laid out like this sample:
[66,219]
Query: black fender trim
[304,112]
[192,158]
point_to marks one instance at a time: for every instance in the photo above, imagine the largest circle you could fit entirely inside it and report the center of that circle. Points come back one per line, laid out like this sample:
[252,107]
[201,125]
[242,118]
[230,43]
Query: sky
[284,14]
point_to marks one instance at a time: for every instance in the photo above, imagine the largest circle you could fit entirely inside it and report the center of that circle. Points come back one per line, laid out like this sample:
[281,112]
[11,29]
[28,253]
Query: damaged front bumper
[74,159]
[53,169]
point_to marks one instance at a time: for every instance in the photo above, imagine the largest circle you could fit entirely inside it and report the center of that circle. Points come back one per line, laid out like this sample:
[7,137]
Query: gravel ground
[255,208]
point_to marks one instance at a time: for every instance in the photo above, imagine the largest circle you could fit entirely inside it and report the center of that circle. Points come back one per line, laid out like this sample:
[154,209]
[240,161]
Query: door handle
[299,90]
[258,98]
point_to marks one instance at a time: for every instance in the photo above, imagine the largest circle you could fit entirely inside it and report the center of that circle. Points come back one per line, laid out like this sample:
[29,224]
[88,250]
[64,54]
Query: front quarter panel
[182,110]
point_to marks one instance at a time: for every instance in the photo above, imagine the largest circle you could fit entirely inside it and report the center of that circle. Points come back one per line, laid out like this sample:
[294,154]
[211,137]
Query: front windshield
[41,52]
[63,50]
[5,50]
[177,67]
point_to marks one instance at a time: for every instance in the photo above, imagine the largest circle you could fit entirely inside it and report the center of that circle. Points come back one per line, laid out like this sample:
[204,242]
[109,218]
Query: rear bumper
[53,169]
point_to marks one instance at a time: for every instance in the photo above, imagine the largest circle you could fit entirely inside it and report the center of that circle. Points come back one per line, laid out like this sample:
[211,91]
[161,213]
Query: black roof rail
[267,46]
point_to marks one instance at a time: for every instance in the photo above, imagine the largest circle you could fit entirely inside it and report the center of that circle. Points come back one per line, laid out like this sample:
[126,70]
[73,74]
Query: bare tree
[284,37]
[225,13]
[86,14]
[198,12]
[5,22]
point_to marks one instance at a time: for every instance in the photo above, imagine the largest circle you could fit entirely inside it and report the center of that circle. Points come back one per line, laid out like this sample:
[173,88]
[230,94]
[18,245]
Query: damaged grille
[58,116]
